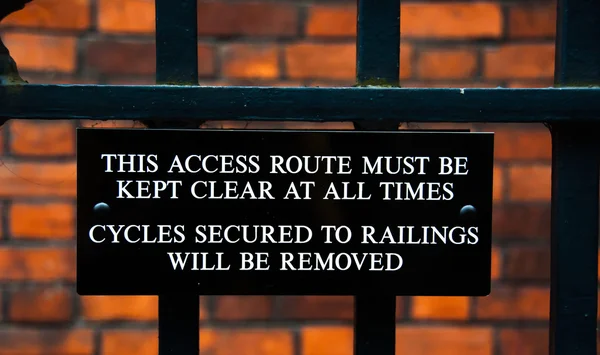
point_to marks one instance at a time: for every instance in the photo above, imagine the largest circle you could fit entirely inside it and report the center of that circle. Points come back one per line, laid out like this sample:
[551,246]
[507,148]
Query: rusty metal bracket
[9,73]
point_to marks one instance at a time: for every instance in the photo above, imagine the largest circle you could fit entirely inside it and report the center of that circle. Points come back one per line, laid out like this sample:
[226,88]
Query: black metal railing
[571,111]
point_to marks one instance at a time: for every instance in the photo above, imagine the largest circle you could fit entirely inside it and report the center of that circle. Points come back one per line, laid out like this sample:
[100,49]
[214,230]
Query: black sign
[283,212]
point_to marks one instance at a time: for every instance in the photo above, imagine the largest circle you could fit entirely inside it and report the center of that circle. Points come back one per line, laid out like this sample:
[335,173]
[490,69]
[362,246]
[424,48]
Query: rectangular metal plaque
[283,212]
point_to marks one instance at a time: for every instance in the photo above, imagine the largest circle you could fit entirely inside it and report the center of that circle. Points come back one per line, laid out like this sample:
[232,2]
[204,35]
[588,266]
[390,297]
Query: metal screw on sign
[101,208]
[102,211]
[468,213]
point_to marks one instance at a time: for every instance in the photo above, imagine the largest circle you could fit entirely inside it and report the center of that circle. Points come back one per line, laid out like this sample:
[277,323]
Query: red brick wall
[291,43]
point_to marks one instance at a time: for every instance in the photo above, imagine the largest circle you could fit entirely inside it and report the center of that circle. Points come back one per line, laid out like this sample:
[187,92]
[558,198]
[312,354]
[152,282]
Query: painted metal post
[575,192]
[377,64]
[177,64]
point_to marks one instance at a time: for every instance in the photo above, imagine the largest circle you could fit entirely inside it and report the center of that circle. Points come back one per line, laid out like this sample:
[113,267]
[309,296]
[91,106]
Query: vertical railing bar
[378,50]
[377,64]
[177,64]
[378,43]
[177,42]
[575,189]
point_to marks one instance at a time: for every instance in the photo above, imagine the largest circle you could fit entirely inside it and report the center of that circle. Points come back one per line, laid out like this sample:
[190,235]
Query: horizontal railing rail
[201,103]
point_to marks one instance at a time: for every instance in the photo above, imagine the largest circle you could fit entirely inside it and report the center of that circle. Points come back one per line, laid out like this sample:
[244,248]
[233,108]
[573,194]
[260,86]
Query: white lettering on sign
[289,183]
[142,189]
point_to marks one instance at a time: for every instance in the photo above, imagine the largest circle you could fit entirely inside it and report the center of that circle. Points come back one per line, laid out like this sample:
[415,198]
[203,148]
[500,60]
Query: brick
[524,341]
[498,184]
[332,61]
[525,84]
[136,58]
[527,263]
[521,221]
[2,209]
[318,340]
[519,61]
[243,307]
[204,313]
[37,179]
[126,16]
[530,183]
[400,307]
[250,18]
[447,64]
[15,183]
[111,124]
[42,138]
[216,342]
[110,308]
[19,341]
[250,61]
[532,20]
[131,342]
[440,308]
[460,20]
[518,144]
[247,342]
[52,14]
[318,307]
[207,66]
[444,340]
[496,263]
[112,57]
[331,21]
[504,303]
[455,20]
[443,84]
[48,264]
[406,68]
[207,340]
[422,340]
[321,61]
[116,308]
[48,304]
[42,52]
[47,221]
